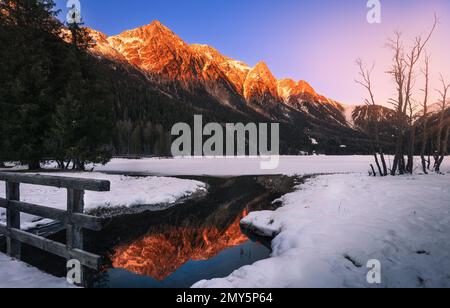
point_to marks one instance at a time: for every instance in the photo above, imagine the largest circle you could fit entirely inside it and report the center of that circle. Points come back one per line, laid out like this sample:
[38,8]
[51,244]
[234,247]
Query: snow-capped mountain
[260,85]
[164,56]
[159,79]
[235,71]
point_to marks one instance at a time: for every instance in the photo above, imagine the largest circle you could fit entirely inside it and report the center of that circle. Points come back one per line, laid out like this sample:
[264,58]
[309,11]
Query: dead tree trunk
[383,162]
[423,150]
[442,143]
[444,150]
[412,142]
[372,108]
[374,173]
[399,159]
[424,163]
[402,71]
[378,164]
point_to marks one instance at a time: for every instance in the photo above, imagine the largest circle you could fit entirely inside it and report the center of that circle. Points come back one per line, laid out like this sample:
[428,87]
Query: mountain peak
[153,30]
[261,66]
[156,49]
[305,87]
[157,25]
[260,84]
[261,70]
[153,47]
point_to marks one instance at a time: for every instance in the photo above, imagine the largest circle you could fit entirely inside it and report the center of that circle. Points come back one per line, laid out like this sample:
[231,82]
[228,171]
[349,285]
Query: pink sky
[337,46]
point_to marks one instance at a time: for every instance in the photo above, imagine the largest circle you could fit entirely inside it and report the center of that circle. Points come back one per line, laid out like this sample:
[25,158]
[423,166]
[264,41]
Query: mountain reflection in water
[175,248]
[200,239]
[165,249]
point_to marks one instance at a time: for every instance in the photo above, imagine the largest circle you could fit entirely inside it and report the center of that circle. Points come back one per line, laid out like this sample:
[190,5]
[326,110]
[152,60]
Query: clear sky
[315,40]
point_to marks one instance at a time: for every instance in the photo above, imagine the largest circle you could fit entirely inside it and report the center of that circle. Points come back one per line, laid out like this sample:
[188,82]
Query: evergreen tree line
[53,103]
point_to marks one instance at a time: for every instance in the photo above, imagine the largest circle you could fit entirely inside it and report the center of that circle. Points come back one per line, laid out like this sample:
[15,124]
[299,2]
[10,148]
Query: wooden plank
[56,181]
[74,237]
[87,259]
[75,205]
[37,210]
[13,247]
[78,219]
[87,222]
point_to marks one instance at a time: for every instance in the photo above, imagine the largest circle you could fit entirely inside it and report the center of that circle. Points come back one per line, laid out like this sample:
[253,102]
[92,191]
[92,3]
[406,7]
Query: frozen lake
[288,165]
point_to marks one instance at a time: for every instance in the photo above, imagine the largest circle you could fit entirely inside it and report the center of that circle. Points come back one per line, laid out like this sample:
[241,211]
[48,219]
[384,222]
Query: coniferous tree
[54,97]
[83,119]
[29,36]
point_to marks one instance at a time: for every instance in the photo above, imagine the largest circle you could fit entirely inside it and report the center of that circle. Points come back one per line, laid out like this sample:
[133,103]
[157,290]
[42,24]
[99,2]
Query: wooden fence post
[75,205]
[13,220]
[73,219]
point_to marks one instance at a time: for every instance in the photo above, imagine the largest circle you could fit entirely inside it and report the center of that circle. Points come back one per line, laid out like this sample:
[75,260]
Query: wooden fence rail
[73,218]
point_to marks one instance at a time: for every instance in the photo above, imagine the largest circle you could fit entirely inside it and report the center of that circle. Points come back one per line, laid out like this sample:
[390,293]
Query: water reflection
[191,272]
[193,241]
[166,249]
[200,239]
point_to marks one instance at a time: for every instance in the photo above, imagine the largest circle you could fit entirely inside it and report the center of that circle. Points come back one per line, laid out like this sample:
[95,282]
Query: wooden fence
[73,218]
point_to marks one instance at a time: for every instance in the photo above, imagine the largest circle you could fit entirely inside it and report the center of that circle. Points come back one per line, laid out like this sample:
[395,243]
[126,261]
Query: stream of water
[198,239]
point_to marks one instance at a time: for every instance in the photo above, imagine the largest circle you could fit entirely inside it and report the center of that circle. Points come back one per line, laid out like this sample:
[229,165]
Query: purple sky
[317,41]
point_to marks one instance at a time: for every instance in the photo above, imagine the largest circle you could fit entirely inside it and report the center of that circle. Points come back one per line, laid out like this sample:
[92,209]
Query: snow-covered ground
[247,166]
[16,274]
[162,192]
[231,166]
[326,232]
[334,224]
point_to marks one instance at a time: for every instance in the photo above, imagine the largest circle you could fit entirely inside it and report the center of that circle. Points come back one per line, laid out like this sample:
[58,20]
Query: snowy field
[288,165]
[326,232]
[333,225]
[161,192]
[16,274]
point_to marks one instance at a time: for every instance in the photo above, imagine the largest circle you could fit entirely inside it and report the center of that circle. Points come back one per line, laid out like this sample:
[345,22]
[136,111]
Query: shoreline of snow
[329,229]
[155,193]
[236,166]
[240,166]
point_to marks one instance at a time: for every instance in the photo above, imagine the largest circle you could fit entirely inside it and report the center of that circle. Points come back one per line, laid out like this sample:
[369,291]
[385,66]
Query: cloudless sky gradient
[315,40]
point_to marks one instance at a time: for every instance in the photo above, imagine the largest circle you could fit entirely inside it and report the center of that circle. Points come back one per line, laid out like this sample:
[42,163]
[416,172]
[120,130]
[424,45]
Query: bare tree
[412,123]
[398,72]
[443,126]
[426,73]
[403,72]
[366,81]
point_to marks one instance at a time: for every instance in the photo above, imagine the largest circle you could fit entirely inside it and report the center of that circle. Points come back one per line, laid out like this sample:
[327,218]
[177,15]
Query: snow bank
[162,192]
[16,274]
[289,165]
[333,225]
[262,223]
